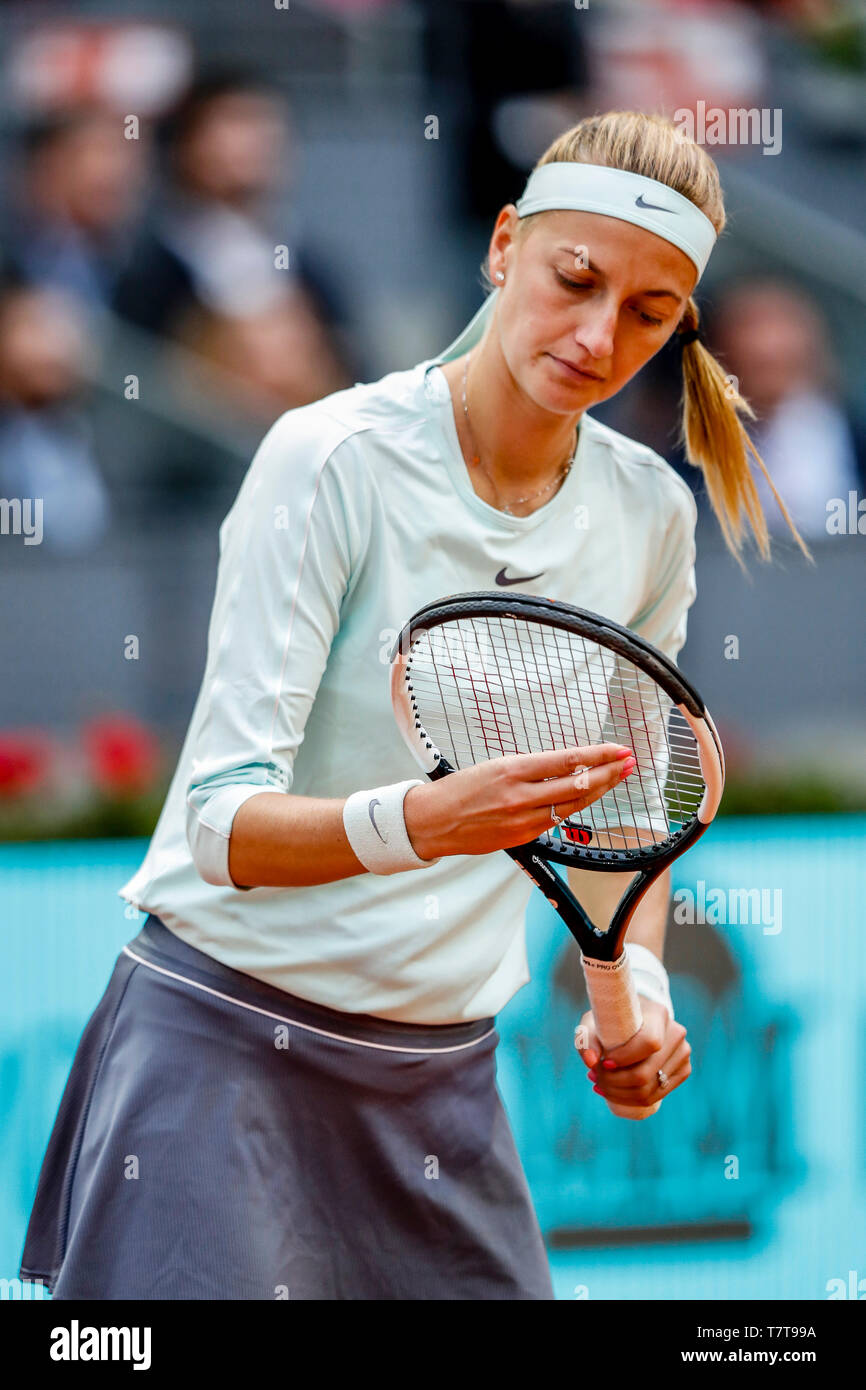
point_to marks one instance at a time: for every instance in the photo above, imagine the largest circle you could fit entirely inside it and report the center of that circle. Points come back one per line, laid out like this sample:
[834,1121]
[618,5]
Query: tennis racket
[478,676]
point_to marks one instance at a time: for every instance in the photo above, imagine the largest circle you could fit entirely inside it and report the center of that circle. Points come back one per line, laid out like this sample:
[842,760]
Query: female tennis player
[288,1088]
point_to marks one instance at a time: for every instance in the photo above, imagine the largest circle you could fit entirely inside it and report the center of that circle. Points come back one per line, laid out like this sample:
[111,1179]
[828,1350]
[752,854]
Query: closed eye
[573,284]
[587,284]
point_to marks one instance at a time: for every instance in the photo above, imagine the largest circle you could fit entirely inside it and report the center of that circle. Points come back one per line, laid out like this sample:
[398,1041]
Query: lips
[577,372]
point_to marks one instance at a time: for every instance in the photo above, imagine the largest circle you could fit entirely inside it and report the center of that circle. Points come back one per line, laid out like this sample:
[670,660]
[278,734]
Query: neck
[522,447]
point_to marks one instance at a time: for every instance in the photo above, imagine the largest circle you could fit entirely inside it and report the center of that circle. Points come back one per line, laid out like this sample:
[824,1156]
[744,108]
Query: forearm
[279,840]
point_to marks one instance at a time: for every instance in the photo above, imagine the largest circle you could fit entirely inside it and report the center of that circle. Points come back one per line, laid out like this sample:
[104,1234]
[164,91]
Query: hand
[507,801]
[658,1045]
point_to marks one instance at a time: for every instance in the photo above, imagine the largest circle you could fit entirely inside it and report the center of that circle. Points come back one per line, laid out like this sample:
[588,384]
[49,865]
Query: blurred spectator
[212,241]
[74,194]
[269,360]
[772,338]
[46,450]
[520,68]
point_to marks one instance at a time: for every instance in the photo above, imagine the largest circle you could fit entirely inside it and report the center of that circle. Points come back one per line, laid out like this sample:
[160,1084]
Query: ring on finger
[664,1079]
[557,820]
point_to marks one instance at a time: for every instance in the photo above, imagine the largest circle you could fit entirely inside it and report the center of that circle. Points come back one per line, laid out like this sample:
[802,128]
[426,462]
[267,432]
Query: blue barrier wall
[750,1183]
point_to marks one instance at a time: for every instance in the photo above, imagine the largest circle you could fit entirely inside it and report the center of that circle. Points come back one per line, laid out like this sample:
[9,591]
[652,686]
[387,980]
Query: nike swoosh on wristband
[503,580]
[376,802]
[640,202]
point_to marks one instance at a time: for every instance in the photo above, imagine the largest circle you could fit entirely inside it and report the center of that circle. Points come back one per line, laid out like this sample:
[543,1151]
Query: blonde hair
[711,431]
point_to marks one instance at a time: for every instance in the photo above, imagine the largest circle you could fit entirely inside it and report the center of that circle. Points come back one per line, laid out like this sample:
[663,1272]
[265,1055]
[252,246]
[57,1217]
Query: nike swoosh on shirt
[504,582]
[640,202]
[376,802]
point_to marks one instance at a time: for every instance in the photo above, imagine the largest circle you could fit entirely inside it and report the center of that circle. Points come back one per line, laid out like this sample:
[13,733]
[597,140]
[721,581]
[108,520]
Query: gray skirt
[221,1139]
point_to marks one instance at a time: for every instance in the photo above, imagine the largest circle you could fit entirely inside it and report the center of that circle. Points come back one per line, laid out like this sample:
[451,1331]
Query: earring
[500,275]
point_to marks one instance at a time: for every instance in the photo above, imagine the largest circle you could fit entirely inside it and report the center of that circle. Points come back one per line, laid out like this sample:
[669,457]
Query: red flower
[124,756]
[25,758]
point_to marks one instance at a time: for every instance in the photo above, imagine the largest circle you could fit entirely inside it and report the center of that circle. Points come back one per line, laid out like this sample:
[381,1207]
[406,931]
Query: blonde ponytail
[716,441]
[712,431]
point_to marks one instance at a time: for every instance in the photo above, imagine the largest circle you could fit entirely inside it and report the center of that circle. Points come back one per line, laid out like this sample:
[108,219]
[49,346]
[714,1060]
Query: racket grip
[616,1010]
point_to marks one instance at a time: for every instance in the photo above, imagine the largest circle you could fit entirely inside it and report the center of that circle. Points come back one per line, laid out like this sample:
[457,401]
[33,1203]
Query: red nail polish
[598,1090]
[593,1076]
[609,1064]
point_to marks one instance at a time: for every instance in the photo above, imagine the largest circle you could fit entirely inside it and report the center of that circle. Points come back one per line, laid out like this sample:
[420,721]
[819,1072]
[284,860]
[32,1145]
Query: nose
[595,334]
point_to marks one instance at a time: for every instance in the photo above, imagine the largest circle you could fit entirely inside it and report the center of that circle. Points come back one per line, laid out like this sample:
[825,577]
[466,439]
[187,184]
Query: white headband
[616,193]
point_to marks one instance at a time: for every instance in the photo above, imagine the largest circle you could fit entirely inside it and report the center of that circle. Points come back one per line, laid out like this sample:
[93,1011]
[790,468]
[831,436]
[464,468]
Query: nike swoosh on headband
[640,202]
[503,580]
[376,802]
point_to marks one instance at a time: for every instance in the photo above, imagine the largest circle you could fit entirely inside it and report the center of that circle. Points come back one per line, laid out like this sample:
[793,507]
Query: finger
[642,1079]
[676,1078]
[559,762]
[529,818]
[652,1092]
[587,1042]
[655,1091]
[656,1035]
[669,1055]
[582,788]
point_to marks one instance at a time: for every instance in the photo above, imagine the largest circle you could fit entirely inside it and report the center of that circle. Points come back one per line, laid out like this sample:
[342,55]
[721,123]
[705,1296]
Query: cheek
[634,348]
[526,333]
[535,319]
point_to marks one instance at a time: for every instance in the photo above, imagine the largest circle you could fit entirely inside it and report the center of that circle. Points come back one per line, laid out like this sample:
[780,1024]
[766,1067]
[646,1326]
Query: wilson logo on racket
[577,834]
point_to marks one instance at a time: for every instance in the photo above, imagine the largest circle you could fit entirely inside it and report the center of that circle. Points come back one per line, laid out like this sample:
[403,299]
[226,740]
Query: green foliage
[103,818]
[798,792]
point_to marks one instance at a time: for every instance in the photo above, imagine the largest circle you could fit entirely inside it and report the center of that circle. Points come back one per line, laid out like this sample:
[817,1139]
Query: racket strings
[491,687]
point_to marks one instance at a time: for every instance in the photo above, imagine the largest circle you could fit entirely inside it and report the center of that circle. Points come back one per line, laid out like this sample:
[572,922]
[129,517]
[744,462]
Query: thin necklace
[476,459]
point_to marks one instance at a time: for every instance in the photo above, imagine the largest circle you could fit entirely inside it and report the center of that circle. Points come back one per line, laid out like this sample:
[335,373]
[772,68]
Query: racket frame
[534,858]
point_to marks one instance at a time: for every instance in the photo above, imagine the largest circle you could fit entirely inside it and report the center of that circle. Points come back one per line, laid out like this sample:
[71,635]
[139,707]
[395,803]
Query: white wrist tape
[376,829]
[649,975]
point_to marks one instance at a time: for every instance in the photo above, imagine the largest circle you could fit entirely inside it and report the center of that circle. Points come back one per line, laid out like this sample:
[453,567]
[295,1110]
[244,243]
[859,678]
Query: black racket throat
[600,943]
[535,859]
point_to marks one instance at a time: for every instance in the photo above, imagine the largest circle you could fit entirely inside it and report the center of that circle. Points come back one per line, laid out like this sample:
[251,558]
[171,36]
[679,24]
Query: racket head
[483,675]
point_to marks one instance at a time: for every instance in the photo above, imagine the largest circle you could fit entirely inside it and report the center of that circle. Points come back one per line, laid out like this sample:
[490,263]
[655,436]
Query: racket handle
[616,1010]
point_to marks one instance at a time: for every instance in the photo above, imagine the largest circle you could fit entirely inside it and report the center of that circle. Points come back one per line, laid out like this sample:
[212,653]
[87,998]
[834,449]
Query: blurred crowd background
[213,212]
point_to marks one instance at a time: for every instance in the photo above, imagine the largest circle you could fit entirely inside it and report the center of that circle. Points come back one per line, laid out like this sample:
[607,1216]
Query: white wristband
[376,829]
[649,975]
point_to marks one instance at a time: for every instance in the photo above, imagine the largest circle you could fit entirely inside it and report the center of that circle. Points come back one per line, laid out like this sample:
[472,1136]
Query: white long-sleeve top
[356,511]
